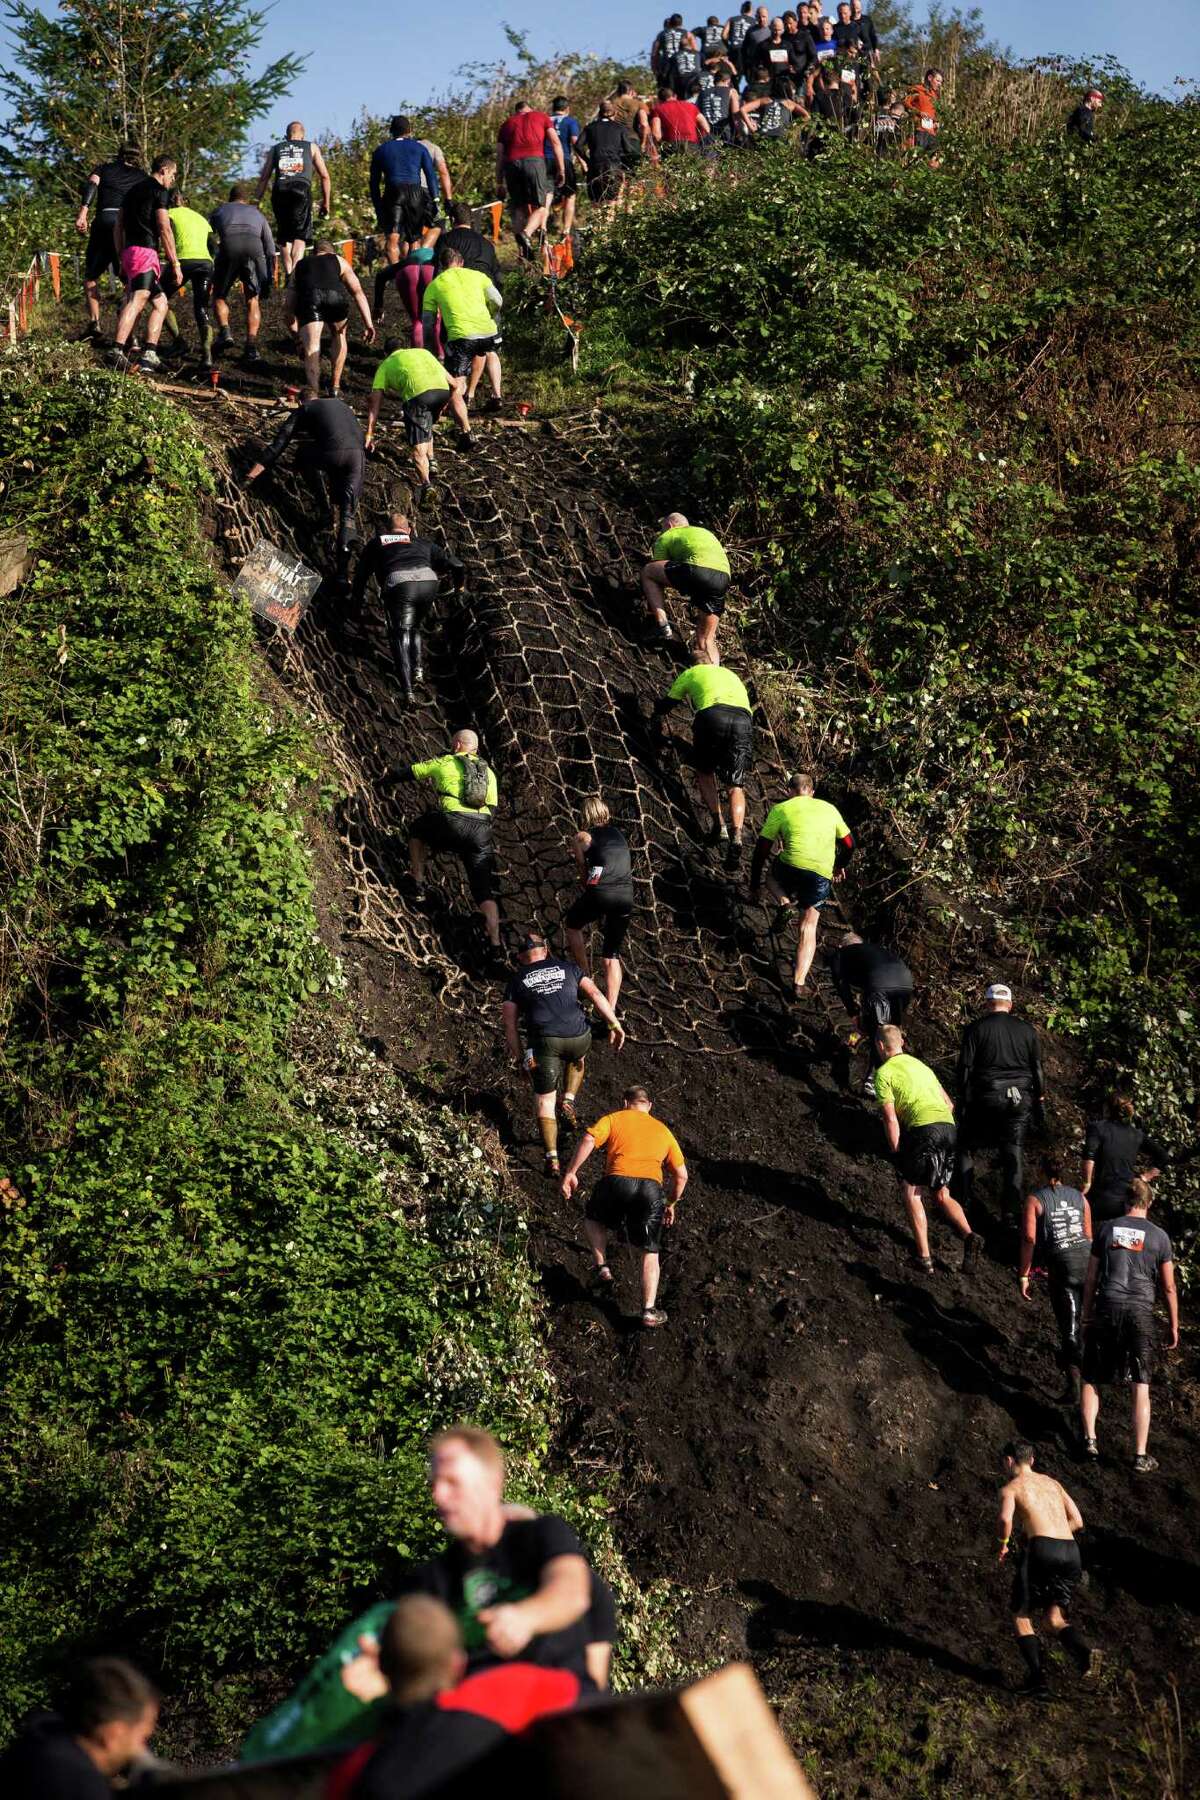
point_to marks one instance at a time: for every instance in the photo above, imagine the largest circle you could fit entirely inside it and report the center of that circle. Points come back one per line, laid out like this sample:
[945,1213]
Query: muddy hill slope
[809,1449]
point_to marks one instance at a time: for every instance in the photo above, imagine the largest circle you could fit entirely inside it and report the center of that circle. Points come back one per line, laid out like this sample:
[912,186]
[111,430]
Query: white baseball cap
[998,991]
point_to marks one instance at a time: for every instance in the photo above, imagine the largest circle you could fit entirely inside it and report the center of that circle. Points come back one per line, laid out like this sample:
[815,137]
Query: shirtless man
[1048,1568]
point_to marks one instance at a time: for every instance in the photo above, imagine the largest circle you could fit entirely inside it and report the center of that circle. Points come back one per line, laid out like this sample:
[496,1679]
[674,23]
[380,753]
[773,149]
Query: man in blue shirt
[568,130]
[403,206]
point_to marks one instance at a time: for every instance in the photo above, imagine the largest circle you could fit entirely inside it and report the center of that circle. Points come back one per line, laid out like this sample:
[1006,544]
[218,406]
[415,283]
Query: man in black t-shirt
[607,151]
[108,185]
[142,228]
[882,983]
[1000,1092]
[543,1000]
[518,1587]
[331,460]
[1081,125]
[104,1723]
[1131,1264]
[1113,1148]
[472,246]
[410,571]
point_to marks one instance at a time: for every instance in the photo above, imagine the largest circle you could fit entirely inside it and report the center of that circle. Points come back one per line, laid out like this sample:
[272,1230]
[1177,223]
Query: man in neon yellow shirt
[689,559]
[722,744]
[467,300]
[196,243]
[460,824]
[918,1117]
[815,843]
[421,384]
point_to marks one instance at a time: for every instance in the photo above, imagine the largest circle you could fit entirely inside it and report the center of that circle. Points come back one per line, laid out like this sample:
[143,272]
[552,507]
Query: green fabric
[691,544]
[914,1090]
[446,774]
[709,685]
[409,372]
[192,232]
[320,1711]
[460,295]
[809,829]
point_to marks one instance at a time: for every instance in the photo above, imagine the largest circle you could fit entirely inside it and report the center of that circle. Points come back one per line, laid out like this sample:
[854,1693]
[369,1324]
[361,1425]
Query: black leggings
[1066,1297]
[406,604]
[199,277]
[336,485]
[988,1126]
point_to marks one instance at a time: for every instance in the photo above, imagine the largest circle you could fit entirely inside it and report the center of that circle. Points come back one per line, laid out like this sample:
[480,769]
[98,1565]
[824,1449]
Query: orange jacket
[922,103]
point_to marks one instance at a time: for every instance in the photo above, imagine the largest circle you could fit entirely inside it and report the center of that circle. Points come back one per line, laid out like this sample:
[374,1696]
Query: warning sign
[278,586]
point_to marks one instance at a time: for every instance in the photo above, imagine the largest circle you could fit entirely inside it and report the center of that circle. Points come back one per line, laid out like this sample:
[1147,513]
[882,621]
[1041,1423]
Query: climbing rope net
[543,654]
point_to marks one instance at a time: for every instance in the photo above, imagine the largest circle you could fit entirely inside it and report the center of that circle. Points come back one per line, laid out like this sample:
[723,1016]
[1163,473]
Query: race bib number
[291,162]
[1130,1237]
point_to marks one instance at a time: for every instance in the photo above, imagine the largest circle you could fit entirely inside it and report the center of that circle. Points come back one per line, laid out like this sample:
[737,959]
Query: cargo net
[544,655]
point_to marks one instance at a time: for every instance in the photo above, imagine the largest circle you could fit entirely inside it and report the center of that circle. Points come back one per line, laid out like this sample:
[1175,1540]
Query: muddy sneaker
[1145,1465]
[151,358]
[117,358]
[733,853]
[1035,1687]
[653,1317]
[493,405]
[972,1252]
[602,1277]
[252,356]
[567,1113]
[550,1168]
[1090,1676]
[923,1264]
[524,245]
[223,341]
[1091,1448]
[662,634]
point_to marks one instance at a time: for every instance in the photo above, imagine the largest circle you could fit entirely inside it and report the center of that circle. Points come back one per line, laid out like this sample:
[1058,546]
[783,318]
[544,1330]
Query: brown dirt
[810,1446]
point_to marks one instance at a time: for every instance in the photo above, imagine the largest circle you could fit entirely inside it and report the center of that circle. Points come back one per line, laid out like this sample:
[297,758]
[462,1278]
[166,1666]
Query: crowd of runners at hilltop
[510,1622]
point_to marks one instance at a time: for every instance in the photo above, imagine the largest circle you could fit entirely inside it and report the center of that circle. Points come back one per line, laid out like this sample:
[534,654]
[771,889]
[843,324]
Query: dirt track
[810,1446]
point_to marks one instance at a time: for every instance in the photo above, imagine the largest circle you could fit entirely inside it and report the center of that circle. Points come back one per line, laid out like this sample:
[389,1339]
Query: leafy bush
[246,1273]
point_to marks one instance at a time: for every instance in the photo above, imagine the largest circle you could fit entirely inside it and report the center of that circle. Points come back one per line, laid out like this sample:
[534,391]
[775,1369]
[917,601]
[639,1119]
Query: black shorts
[568,187]
[527,181]
[461,353]
[632,1204]
[551,1056]
[403,210]
[467,836]
[803,887]
[324,306]
[420,413]
[615,916]
[882,1008]
[1120,1347]
[198,272]
[723,743]
[705,588]
[101,252]
[1047,1574]
[241,262]
[926,1155]
[293,213]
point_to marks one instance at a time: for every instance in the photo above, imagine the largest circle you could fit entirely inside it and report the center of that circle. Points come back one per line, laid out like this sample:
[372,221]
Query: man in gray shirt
[245,254]
[1130,1265]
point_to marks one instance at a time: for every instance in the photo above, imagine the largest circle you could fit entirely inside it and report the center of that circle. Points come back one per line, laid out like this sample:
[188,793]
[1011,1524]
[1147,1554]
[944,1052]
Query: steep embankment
[810,1448]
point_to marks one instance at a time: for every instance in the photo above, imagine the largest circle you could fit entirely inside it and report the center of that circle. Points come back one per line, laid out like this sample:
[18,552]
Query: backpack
[475,778]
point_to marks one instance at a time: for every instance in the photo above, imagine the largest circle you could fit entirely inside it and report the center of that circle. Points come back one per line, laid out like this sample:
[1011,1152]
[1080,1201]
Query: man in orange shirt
[922,103]
[630,1196]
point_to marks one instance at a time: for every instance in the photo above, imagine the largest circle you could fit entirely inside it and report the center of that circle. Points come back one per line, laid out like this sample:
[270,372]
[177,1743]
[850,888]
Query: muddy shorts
[722,743]
[551,1056]
[591,908]
[461,353]
[469,837]
[1047,1574]
[705,589]
[1120,1347]
[632,1204]
[527,181]
[803,887]
[926,1155]
[101,256]
[420,413]
[293,213]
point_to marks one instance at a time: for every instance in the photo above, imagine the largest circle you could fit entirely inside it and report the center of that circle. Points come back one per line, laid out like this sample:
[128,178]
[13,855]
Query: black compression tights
[405,619]
[201,296]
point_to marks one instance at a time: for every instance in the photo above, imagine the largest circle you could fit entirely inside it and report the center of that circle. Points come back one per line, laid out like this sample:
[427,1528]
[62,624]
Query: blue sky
[376,58]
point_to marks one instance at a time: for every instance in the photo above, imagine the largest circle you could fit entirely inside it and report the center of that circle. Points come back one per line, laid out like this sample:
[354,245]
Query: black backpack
[475,778]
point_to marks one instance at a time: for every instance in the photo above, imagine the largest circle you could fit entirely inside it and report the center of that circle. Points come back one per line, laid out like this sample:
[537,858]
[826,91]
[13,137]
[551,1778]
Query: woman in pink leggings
[413,275]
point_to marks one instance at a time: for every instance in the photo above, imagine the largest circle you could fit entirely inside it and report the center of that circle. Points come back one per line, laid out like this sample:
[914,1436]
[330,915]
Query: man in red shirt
[521,172]
[921,104]
[676,125]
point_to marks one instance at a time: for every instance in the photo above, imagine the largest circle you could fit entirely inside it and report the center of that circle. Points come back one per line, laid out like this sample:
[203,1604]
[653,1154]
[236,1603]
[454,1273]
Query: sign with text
[278,585]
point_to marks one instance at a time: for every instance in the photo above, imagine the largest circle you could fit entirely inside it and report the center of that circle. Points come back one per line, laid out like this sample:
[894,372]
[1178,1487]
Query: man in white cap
[1000,1090]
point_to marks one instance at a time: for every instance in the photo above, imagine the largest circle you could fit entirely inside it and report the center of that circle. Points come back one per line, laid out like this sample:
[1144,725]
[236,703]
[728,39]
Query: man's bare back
[1042,1506]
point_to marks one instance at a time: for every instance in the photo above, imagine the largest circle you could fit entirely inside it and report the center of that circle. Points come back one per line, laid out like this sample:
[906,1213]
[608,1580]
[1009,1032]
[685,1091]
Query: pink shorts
[138,263]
